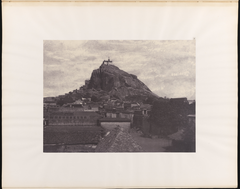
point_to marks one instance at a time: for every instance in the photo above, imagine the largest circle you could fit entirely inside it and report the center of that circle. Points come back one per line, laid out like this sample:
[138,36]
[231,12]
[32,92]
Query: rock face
[117,82]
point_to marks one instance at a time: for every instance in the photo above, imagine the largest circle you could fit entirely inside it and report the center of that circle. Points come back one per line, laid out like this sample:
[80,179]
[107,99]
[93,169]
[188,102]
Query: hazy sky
[166,67]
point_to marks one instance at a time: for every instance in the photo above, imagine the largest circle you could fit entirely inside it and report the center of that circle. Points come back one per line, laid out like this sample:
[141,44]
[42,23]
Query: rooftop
[118,140]
[118,110]
[83,113]
[178,99]
[114,120]
[48,99]
[72,134]
[146,106]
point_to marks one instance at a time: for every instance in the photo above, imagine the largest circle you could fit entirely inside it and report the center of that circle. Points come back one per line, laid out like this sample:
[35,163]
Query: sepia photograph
[119,96]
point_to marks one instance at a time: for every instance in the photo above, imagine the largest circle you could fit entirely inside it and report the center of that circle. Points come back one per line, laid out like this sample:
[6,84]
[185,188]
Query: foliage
[115,96]
[135,98]
[65,100]
[168,117]
[87,95]
[95,98]
[60,102]
[189,137]
[149,100]
[161,116]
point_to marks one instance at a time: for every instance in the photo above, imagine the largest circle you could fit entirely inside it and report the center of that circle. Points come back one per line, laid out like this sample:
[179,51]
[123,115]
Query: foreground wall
[111,125]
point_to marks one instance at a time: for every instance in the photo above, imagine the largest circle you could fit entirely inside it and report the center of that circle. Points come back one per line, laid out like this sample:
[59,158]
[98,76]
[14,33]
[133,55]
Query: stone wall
[111,125]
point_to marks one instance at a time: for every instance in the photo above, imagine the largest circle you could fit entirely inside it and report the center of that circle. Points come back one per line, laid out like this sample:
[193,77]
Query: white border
[26,25]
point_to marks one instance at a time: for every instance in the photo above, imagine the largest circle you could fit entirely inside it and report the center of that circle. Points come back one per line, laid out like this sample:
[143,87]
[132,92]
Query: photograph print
[119,96]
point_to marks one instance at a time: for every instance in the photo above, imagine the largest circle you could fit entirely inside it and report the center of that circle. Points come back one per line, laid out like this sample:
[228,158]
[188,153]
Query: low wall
[74,123]
[112,125]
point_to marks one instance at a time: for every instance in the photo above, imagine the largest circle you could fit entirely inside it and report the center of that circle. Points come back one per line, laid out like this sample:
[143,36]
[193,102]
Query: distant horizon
[167,68]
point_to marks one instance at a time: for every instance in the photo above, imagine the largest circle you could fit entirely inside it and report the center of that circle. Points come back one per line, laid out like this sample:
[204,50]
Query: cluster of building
[82,124]
[108,114]
[84,112]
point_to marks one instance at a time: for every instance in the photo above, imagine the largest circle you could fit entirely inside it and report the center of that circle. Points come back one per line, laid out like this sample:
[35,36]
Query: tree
[149,100]
[60,102]
[95,98]
[189,138]
[68,99]
[87,95]
[65,100]
[161,116]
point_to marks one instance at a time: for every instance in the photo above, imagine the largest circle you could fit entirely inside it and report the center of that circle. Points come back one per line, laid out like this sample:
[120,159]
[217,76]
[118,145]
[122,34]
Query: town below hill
[113,99]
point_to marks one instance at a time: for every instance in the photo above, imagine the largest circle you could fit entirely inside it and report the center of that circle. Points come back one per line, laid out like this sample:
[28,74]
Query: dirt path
[151,144]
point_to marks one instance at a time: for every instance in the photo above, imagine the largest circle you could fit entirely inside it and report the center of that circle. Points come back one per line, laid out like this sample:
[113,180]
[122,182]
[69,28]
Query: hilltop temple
[106,62]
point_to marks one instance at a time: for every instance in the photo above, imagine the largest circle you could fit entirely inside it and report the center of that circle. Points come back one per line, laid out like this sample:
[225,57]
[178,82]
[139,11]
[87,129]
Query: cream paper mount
[27,24]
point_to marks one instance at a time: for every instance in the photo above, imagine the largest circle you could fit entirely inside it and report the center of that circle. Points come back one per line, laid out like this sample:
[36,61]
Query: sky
[166,67]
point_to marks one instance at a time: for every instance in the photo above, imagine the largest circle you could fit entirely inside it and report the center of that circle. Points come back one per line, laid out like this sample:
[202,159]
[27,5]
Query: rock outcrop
[117,82]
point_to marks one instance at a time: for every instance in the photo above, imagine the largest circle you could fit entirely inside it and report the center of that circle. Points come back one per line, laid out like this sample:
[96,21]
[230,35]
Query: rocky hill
[107,82]
[118,83]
